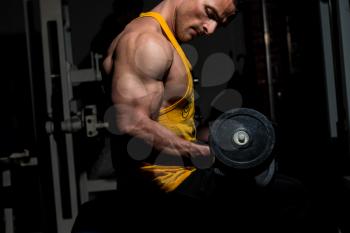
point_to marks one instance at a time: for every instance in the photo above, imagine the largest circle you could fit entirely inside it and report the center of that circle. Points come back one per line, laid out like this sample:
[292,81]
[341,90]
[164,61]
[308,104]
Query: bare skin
[148,74]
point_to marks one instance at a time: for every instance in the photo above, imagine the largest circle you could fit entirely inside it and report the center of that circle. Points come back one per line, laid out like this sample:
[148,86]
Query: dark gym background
[299,106]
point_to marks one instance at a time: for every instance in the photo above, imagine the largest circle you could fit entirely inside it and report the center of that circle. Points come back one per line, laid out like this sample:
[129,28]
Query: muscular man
[153,91]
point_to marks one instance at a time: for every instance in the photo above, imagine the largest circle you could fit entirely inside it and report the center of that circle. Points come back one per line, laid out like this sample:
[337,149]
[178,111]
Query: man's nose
[209,27]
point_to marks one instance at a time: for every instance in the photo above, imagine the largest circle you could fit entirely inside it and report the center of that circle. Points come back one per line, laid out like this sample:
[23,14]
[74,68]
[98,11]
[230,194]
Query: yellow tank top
[178,117]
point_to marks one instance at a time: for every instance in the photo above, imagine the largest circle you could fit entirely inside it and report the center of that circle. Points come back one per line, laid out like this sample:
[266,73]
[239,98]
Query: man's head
[198,17]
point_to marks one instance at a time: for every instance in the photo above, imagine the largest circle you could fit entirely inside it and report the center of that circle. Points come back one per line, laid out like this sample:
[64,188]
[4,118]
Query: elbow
[128,121]
[130,125]
[125,128]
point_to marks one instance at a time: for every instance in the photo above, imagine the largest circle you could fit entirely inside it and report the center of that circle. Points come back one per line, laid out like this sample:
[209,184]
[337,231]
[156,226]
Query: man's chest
[176,81]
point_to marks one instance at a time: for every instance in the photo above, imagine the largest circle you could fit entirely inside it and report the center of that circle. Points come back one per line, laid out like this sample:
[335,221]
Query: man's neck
[167,9]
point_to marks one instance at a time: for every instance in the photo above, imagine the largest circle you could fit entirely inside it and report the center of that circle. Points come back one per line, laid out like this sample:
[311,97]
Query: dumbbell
[242,141]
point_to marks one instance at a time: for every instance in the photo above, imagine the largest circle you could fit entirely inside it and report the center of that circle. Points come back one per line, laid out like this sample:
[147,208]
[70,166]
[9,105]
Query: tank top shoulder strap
[170,36]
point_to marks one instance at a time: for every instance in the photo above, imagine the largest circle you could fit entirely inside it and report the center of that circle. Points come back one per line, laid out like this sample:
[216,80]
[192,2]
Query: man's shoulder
[143,32]
[144,24]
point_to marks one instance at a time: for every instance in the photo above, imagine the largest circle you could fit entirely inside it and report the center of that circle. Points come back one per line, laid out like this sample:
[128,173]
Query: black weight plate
[265,177]
[256,144]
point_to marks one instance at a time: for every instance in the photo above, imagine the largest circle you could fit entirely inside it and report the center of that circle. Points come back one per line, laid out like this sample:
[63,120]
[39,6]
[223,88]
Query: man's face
[198,17]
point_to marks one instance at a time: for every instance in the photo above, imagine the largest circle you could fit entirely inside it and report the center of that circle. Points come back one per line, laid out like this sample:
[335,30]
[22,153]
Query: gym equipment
[242,141]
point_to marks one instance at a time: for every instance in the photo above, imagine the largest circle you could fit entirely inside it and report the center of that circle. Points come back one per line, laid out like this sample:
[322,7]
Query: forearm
[161,138]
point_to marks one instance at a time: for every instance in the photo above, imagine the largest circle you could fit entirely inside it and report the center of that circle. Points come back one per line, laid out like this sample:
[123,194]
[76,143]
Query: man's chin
[186,38]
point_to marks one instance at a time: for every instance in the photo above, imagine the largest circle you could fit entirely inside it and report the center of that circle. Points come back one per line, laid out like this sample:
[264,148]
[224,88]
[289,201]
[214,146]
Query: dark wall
[14,94]
[11,17]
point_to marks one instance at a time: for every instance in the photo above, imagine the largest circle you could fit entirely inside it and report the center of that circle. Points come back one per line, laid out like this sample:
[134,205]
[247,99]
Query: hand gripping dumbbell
[242,141]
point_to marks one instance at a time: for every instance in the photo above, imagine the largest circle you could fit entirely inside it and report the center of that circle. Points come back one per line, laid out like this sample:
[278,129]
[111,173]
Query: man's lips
[194,32]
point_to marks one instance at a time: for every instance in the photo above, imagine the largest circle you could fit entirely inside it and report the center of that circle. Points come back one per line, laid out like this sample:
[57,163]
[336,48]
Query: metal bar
[8,215]
[289,46]
[83,75]
[51,19]
[67,35]
[66,98]
[29,55]
[8,212]
[46,57]
[56,182]
[328,59]
[101,185]
[84,193]
[343,11]
[268,61]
